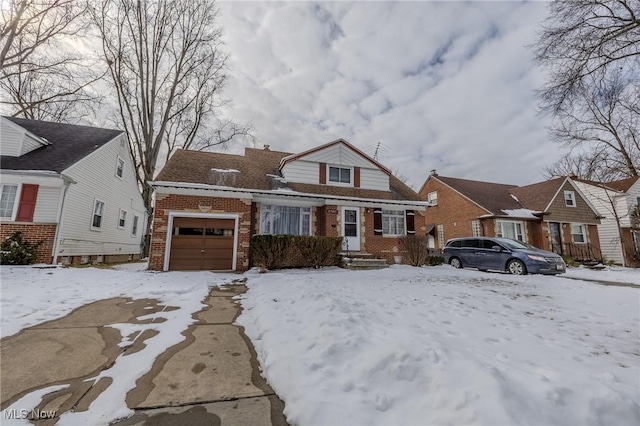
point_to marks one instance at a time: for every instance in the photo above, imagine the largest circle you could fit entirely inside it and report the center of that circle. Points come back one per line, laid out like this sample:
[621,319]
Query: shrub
[290,251]
[415,249]
[316,252]
[270,251]
[435,260]
[569,261]
[17,251]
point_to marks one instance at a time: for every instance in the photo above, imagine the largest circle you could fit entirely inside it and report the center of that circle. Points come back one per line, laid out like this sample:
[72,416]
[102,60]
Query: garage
[201,244]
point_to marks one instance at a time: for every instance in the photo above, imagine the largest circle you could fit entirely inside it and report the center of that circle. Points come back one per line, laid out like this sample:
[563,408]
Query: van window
[488,244]
[457,243]
[473,243]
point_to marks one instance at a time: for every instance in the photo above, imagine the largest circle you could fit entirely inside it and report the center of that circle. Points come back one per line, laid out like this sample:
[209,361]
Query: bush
[16,251]
[415,249]
[569,261]
[435,260]
[290,251]
[270,251]
[316,252]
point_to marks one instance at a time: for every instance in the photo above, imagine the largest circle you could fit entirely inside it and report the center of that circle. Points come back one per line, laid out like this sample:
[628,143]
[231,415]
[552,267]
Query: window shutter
[356,177]
[377,222]
[27,203]
[323,173]
[411,222]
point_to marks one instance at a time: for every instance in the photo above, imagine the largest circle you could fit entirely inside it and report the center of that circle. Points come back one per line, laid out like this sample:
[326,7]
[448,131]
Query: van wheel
[515,267]
[455,262]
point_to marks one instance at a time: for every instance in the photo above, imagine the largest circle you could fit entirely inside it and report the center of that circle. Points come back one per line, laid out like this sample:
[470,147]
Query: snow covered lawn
[609,273]
[407,346]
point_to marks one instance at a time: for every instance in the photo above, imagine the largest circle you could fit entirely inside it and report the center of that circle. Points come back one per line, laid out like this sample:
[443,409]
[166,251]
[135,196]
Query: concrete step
[366,264]
[358,255]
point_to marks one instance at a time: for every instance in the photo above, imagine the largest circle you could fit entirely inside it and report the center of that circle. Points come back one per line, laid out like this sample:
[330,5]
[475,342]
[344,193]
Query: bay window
[510,229]
[285,220]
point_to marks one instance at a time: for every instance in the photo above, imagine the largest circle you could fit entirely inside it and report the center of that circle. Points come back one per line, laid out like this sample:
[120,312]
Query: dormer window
[339,175]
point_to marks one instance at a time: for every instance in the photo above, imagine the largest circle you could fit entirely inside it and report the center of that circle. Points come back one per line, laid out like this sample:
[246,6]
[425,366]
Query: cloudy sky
[446,86]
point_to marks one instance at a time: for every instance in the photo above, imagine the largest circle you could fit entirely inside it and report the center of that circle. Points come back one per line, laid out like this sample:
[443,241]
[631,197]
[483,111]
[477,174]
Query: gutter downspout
[56,243]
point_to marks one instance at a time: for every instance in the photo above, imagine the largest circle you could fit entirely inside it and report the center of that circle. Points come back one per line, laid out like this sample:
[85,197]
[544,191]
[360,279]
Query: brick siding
[454,212]
[197,204]
[627,241]
[33,233]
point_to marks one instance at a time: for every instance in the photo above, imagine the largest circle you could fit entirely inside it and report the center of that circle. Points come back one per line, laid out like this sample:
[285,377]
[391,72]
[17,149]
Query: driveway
[212,377]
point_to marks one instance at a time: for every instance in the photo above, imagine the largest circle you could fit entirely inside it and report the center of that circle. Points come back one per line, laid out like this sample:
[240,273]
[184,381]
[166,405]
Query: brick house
[553,215]
[619,238]
[73,188]
[208,205]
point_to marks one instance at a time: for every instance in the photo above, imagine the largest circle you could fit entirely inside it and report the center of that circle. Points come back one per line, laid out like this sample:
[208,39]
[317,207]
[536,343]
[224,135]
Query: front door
[556,237]
[351,229]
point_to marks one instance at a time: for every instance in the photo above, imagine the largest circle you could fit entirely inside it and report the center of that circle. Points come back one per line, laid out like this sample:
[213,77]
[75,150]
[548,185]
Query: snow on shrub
[14,250]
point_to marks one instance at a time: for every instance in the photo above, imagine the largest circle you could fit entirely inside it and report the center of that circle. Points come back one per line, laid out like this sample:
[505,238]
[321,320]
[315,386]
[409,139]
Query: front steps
[362,261]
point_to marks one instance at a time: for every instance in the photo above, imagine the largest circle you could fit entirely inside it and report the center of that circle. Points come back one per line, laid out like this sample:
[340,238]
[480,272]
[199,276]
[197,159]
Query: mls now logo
[35,414]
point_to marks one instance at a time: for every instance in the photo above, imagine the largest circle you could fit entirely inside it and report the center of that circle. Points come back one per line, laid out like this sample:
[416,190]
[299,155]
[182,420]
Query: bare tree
[603,125]
[583,38]
[167,70]
[41,77]
[586,165]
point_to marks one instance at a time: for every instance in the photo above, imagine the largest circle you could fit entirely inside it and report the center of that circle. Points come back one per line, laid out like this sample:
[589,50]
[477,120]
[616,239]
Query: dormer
[337,163]
[16,141]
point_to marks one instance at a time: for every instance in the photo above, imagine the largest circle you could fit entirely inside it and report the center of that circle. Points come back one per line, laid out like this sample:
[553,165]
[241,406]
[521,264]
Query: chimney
[433,172]
[266,147]
[572,175]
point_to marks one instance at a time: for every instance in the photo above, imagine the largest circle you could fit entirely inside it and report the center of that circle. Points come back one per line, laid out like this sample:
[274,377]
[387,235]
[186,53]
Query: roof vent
[433,172]
[266,147]
[223,177]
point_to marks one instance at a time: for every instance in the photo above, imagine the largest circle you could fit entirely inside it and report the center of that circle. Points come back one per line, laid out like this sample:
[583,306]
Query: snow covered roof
[522,213]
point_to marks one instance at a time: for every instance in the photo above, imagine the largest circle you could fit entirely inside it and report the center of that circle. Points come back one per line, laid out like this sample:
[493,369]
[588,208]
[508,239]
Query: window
[122,218]
[285,220]
[578,233]
[471,243]
[339,174]
[393,222]
[134,228]
[8,200]
[476,229]
[440,232]
[120,167]
[98,212]
[432,198]
[569,199]
[508,229]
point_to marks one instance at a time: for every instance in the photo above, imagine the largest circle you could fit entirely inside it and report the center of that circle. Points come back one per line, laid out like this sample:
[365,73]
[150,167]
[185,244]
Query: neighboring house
[619,199]
[552,215]
[208,205]
[73,188]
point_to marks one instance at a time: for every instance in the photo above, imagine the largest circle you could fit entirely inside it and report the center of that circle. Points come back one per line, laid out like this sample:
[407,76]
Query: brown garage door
[201,244]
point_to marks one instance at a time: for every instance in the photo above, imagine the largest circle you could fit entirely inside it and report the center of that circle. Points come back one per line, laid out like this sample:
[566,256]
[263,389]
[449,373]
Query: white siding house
[52,174]
[616,199]
[609,203]
[95,177]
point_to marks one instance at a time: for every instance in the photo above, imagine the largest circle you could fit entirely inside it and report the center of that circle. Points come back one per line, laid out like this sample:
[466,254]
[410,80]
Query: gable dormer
[16,141]
[337,163]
